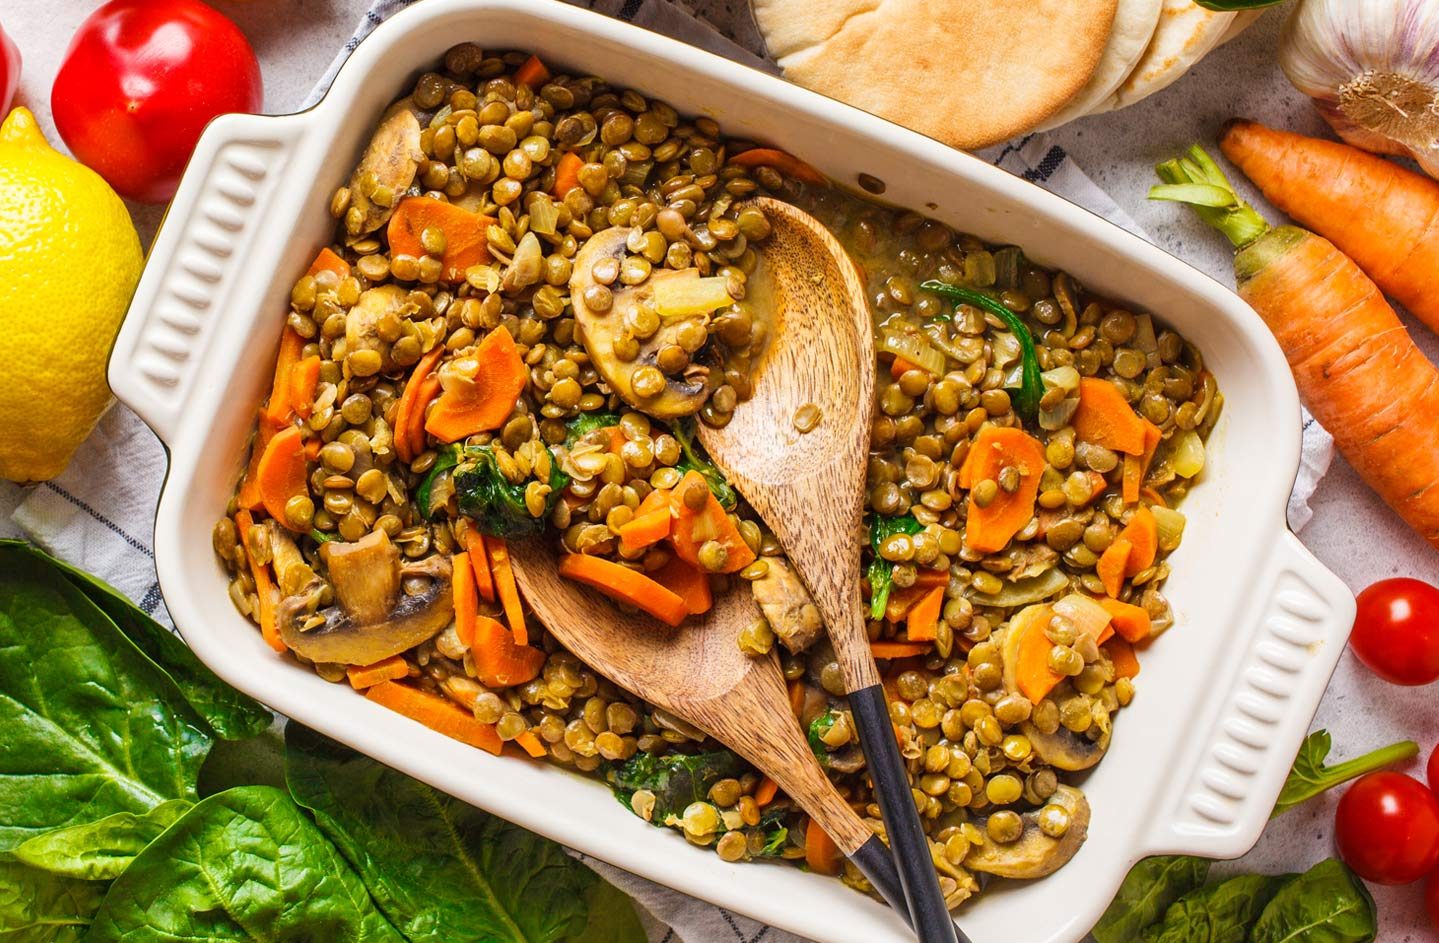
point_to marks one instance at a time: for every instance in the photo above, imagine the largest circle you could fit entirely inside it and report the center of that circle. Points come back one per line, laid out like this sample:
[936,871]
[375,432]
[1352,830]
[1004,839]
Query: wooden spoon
[809,489]
[698,673]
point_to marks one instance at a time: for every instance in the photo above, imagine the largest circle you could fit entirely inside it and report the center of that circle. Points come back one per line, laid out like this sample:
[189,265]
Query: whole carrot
[1357,369]
[1382,216]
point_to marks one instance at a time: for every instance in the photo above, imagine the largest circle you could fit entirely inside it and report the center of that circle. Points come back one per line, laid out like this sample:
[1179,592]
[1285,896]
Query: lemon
[69,261]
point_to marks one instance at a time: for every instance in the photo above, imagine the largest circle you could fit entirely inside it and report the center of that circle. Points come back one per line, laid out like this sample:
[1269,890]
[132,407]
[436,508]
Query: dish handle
[204,247]
[1224,789]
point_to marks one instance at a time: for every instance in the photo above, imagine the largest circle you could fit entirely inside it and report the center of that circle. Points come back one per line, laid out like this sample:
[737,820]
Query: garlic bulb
[1372,68]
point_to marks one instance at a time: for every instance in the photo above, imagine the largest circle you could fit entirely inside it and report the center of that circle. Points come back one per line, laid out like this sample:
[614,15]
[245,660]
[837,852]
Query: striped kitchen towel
[99,513]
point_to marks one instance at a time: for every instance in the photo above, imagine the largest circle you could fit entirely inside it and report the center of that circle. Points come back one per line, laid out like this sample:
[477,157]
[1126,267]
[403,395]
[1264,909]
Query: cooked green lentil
[593,435]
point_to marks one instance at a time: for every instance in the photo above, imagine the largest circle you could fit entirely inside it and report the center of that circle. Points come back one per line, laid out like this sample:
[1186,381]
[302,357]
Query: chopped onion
[544,215]
[1006,267]
[1088,616]
[1187,457]
[916,348]
[680,297]
[1023,592]
[1145,340]
[1054,418]
[1170,524]
[1005,349]
[1065,378]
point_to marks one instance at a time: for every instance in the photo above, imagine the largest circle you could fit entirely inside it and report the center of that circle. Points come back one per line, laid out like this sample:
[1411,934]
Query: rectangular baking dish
[1224,699]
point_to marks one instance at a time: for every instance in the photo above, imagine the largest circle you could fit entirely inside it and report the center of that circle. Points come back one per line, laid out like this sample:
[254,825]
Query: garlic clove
[1372,68]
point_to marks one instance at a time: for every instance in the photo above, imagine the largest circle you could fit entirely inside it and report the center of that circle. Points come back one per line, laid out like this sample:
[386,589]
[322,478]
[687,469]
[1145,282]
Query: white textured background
[1352,531]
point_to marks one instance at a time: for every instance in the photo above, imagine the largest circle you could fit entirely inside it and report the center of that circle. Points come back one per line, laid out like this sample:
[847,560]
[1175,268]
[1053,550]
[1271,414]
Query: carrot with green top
[1357,369]
[1383,216]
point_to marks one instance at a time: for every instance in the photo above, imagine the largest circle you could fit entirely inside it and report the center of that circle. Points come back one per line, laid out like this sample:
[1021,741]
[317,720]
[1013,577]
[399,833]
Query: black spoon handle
[918,882]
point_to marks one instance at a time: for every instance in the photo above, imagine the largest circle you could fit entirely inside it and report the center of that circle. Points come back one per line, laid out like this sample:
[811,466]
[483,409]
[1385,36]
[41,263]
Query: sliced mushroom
[362,322]
[373,617]
[1064,749]
[386,170]
[1034,854]
[787,605]
[293,572]
[682,395]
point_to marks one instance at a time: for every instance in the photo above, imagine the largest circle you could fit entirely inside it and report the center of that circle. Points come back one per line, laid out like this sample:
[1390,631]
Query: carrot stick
[439,714]
[1132,622]
[686,582]
[466,234]
[533,73]
[765,792]
[1105,418]
[415,431]
[367,676]
[989,529]
[292,345]
[567,173]
[895,649]
[820,852]
[466,599]
[1142,532]
[480,563]
[898,366]
[1121,653]
[283,471]
[787,164]
[249,494]
[1357,369]
[646,529]
[485,403]
[1383,216]
[1137,466]
[409,397]
[796,697]
[505,588]
[692,528]
[304,380]
[265,588]
[499,662]
[328,261]
[922,623]
[1032,672]
[531,744]
[625,585]
[1112,564]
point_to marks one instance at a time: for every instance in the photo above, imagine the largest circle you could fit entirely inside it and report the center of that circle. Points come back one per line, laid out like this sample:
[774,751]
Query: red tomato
[1387,828]
[1434,770]
[140,81]
[1431,899]
[1396,631]
[9,72]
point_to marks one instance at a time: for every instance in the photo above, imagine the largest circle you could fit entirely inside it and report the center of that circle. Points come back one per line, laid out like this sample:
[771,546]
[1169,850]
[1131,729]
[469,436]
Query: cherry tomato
[9,72]
[1434,770]
[140,81]
[1396,631]
[1431,899]
[1387,828]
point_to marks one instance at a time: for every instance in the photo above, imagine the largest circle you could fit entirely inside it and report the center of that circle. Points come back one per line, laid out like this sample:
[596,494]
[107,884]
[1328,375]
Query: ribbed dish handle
[197,261]
[1223,793]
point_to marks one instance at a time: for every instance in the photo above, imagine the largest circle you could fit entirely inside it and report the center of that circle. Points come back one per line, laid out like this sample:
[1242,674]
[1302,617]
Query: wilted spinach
[585,423]
[496,505]
[1326,904]
[102,850]
[676,779]
[815,735]
[39,907]
[880,572]
[1148,890]
[691,460]
[1311,777]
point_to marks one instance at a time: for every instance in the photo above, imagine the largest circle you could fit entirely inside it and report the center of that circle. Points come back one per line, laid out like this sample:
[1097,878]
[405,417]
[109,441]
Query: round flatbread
[1134,24]
[968,72]
[1242,21]
[1186,33]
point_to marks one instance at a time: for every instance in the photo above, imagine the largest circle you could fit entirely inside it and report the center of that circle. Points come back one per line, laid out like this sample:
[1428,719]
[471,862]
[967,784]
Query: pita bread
[968,72]
[1186,33]
[1134,25]
[1242,21]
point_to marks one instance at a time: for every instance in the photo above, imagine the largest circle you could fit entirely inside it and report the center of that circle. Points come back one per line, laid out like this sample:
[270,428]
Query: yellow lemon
[69,261]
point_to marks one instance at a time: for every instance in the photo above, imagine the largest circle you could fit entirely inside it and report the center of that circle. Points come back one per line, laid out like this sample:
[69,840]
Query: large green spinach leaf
[230,714]
[88,726]
[39,907]
[1219,913]
[1148,890]
[612,917]
[1326,904]
[100,851]
[441,870]
[245,864]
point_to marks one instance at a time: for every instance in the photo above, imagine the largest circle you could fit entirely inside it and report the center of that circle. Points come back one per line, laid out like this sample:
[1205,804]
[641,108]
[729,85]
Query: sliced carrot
[785,163]
[1142,532]
[1112,565]
[1031,671]
[1132,622]
[898,366]
[282,472]
[655,500]
[487,401]
[328,261]
[929,579]
[922,623]
[1153,497]
[989,529]
[505,588]
[531,744]
[1137,466]
[644,530]
[249,494]
[692,528]
[265,589]
[304,380]
[480,563]
[407,407]
[765,792]
[499,662]
[895,649]
[466,239]
[533,73]
[567,174]
[625,585]
[415,430]
[292,346]
[367,676]
[1105,418]
[902,600]
[686,582]
[438,713]
[1121,653]
[467,604]
[820,852]
[796,697]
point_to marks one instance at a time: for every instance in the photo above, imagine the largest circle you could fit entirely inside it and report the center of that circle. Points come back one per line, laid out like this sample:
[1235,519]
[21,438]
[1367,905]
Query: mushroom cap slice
[393,156]
[683,395]
[1064,749]
[372,618]
[1034,854]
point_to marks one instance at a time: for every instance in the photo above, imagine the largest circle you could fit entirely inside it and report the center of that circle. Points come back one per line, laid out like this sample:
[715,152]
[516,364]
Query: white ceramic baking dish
[1224,698]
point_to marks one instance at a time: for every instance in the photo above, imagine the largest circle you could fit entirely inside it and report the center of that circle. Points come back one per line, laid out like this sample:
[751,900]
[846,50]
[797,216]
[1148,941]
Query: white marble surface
[1352,530]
